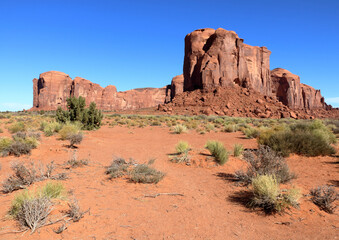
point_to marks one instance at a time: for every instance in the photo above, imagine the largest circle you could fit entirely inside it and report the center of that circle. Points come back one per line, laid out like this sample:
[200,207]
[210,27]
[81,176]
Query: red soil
[209,209]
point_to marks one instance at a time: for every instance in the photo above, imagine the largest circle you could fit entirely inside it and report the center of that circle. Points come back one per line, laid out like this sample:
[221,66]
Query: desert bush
[1,131]
[143,173]
[5,143]
[268,196]
[69,129]
[264,161]
[76,112]
[238,150]
[74,139]
[218,151]
[118,168]
[182,147]
[25,176]
[324,197]
[17,127]
[309,139]
[50,128]
[251,132]
[178,129]
[182,158]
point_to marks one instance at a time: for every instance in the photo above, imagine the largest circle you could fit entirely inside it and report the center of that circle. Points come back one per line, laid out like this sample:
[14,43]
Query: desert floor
[212,206]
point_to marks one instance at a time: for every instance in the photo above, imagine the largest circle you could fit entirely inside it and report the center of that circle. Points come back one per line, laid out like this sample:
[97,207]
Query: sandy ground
[211,206]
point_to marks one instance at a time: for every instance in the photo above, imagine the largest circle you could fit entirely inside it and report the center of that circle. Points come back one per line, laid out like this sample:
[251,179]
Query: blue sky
[133,44]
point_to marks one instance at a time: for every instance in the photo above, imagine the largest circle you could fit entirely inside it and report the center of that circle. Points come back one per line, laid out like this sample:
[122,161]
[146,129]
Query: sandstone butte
[213,59]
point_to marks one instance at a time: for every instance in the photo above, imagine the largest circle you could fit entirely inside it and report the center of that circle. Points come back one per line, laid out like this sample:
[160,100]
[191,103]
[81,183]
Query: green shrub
[69,129]
[324,197]
[218,151]
[5,143]
[182,147]
[17,127]
[238,150]
[268,196]
[264,161]
[143,173]
[309,139]
[49,190]
[178,129]
[53,190]
[50,128]
[76,112]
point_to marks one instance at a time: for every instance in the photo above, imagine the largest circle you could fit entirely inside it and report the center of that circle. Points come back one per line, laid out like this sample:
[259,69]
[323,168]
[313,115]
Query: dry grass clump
[264,161]
[24,176]
[238,149]
[74,162]
[178,129]
[50,128]
[268,196]
[69,129]
[218,151]
[324,197]
[17,127]
[182,147]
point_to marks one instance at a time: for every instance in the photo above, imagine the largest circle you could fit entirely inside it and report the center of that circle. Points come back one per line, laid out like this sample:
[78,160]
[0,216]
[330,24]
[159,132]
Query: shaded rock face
[219,57]
[287,88]
[52,89]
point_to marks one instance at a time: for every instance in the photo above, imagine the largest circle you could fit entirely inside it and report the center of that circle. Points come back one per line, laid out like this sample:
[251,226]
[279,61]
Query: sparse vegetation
[324,197]
[218,151]
[69,129]
[309,139]
[264,161]
[17,127]
[25,176]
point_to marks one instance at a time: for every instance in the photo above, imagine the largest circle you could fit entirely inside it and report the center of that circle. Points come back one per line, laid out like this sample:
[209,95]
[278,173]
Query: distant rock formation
[53,88]
[217,63]
[219,58]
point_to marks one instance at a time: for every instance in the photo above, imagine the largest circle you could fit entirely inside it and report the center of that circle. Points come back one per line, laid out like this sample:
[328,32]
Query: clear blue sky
[133,44]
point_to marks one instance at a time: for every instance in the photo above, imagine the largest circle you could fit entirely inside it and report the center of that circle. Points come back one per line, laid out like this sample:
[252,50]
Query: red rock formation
[177,85]
[220,58]
[53,88]
[286,86]
[288,89]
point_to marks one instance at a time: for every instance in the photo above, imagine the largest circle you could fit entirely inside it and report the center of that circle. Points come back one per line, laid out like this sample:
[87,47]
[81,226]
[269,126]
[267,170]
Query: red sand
[119,210]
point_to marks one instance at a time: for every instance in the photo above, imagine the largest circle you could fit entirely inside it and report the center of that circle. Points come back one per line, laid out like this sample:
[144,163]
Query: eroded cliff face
[53,88]
[219,57]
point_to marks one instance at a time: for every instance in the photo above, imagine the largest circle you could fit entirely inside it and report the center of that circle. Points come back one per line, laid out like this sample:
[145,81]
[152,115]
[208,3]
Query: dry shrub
[74,139]
[143,173]
[118,168]
[324,197]
[25,176]
[264,161]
